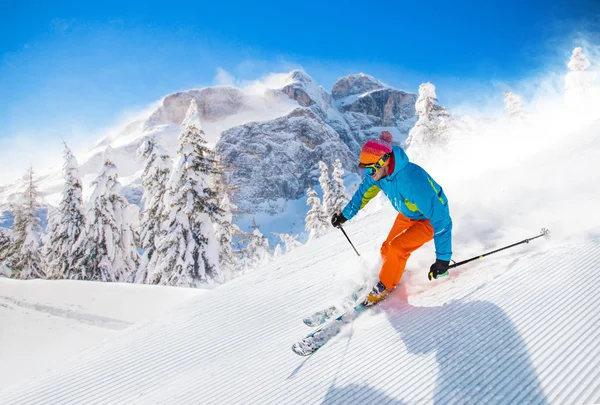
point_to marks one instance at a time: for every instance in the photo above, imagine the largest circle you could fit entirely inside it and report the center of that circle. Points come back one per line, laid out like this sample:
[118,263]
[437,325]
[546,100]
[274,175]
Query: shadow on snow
[480,355]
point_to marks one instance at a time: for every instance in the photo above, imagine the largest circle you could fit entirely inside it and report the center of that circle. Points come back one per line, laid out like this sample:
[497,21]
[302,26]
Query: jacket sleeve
[366,191]
[432,203]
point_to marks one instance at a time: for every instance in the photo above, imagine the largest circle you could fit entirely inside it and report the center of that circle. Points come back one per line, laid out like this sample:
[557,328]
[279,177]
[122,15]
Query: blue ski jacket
[413,193]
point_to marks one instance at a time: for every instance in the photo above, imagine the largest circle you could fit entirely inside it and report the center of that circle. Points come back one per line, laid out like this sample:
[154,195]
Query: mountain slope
[514,329]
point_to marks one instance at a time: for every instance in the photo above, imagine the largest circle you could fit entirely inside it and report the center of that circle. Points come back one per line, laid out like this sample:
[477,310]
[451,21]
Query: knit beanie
[374,149]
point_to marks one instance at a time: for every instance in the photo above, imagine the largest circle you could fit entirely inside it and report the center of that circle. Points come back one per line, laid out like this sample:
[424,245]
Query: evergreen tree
[289,241]
[157,170]
[578,62]
[105,248]
[432,128]
[277,251]
[5,244]
[225,229]
[513,106]
[47,249]
[65,224]
[578,81]
[257,250]
[24,254]
[131,238]
[325,183]
[316,222]
[338,197]
[188,254]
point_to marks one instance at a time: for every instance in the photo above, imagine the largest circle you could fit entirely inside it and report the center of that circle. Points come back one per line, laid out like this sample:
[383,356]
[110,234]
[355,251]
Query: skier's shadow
[481,356]
[357,394]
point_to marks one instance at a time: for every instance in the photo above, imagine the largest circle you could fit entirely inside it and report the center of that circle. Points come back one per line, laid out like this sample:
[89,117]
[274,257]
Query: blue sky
[71,69]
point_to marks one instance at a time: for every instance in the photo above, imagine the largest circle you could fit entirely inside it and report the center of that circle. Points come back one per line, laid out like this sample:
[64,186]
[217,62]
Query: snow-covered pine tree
[225,230]
[513,106]
[432,128]
[66,223]
[131,238]
[223,224]
[25,255]
[188,254]
[52,219]
[338,197]
[578,81]
[325,183]
[290,241]
[578,62]
[277,251]
[5,246]
[257,251]
[316,223]
[11,251]
[104,247]
[5,241]
[157,170]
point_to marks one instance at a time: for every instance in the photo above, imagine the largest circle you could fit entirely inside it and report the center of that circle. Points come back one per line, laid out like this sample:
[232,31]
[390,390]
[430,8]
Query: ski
[320,317]
[317,339]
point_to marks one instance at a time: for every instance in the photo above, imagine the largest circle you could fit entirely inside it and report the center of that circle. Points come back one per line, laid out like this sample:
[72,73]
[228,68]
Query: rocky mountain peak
[355,84]
[305,90]
[299,75]
[214,103]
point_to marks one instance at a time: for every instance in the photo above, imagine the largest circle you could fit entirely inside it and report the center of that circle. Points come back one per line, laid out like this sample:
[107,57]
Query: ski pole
[349,241]
[545,232]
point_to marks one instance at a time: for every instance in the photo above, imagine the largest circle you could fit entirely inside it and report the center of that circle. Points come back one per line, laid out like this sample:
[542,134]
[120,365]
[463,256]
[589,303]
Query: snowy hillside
[517,327]
[43,323]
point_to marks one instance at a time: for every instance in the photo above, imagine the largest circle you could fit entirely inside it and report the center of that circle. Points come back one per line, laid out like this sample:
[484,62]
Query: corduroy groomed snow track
[524,331]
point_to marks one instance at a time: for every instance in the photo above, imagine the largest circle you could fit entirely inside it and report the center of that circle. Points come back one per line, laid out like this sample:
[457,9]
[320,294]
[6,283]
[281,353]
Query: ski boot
[378,293]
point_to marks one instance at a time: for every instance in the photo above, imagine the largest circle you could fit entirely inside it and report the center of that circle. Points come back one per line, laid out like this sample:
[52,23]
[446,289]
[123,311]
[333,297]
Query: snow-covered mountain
[301,122]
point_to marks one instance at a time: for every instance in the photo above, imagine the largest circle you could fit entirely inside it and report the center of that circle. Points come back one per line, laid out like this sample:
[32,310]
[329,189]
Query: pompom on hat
[374,149]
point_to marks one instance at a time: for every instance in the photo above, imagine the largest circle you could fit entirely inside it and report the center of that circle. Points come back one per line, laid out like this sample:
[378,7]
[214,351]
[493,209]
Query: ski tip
[297,348]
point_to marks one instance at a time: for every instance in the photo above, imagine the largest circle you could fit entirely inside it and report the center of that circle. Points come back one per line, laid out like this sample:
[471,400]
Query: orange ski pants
[406,236]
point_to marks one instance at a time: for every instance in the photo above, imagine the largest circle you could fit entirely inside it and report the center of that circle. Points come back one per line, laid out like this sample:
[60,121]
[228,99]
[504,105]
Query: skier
[422,211]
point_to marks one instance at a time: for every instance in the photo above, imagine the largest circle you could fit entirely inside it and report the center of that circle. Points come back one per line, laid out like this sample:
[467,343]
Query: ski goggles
[372,168]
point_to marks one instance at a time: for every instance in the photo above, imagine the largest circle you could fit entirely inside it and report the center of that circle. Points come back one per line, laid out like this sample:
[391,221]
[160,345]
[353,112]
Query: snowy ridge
[516,329]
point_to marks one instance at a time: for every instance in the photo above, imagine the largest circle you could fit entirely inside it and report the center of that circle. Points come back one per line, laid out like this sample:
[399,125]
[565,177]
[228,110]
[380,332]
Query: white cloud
[270,81]
[224,78]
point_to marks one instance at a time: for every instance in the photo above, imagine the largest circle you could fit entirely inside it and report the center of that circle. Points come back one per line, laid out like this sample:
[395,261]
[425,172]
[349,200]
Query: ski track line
[178,345]
[570,384]
[593,386]
[90,319]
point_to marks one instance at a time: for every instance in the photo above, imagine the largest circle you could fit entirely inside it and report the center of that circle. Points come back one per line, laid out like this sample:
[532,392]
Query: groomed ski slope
[521,330]
[518,327]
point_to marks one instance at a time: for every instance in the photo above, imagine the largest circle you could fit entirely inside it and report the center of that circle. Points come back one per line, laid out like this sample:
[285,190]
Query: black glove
[438,269]
[337,220]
